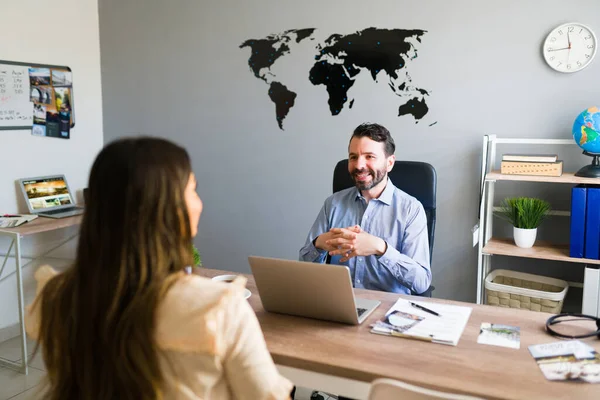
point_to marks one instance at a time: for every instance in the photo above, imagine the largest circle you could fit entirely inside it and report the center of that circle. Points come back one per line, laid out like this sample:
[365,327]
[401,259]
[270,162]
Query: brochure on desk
[570,360]
[405,320]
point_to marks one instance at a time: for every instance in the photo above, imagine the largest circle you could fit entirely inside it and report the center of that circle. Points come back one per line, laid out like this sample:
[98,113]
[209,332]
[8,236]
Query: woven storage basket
[513,289]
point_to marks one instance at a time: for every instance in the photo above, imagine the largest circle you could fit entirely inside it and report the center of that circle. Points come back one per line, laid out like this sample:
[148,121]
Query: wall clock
[570,47]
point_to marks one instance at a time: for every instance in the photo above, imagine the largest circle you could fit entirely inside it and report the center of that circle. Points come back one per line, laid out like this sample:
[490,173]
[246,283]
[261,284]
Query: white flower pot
[524,238]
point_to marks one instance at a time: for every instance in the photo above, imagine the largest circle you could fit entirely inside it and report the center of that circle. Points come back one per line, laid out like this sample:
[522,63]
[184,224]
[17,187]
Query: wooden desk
[38,225]
[43,224]
[358,356]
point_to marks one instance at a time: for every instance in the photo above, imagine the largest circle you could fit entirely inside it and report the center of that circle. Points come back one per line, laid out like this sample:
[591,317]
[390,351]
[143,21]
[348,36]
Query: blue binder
[592,224]
[578,208]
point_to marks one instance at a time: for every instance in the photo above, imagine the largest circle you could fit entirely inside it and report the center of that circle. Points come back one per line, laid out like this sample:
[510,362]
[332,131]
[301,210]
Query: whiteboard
[28,91]
[16,108]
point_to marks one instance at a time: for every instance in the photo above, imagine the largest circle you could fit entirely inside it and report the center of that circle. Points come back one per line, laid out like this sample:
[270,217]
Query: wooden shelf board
[566,177]
[541,250]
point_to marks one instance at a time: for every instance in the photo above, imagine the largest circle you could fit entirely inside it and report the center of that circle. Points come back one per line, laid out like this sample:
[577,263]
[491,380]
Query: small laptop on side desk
[305,289]
[49,196]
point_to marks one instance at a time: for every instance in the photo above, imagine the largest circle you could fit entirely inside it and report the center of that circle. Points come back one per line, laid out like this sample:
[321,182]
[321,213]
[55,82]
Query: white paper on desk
[576,348]
[444,329]
[12,222]
[500,335]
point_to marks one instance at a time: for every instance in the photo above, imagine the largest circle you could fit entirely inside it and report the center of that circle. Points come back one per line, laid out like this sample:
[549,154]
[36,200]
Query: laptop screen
[47,192]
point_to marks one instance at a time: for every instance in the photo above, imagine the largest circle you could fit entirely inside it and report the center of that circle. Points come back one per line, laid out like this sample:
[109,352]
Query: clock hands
[563,48]
[569,53]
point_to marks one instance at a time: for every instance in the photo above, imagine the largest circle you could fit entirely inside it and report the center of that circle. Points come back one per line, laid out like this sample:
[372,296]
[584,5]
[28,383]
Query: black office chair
[418,179]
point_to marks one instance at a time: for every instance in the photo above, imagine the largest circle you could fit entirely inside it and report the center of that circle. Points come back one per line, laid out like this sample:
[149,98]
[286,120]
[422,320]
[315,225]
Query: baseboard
[9,332]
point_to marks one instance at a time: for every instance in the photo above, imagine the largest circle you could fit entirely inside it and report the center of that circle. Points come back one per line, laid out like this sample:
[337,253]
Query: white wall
[64,32]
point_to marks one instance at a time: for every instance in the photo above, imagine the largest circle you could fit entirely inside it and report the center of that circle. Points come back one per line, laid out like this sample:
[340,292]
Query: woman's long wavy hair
[98,317]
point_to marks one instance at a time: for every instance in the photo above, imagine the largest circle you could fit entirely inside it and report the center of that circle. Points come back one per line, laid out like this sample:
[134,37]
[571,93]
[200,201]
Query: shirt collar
[385,197]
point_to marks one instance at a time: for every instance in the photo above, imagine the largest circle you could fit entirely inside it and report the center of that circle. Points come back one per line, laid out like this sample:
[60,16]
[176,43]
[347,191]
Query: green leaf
[524,212]
[197,258]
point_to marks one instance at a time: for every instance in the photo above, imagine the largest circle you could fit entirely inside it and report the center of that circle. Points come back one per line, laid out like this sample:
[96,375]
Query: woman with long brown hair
[125,322]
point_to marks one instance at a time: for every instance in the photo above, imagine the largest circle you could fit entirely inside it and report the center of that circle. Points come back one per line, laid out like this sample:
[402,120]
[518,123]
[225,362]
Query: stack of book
[585,222]
[531,164]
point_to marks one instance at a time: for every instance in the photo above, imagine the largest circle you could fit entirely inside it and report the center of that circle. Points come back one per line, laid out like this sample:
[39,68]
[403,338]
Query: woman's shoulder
[32,315]
[192,312]
[43,275]
[194,293]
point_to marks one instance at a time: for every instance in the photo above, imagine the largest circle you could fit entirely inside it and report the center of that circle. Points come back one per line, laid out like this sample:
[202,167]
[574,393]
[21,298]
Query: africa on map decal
[338,61]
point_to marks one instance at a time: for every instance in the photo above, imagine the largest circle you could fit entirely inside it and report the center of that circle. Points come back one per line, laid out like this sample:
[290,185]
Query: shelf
[490,158]
[567,177]
[541,250]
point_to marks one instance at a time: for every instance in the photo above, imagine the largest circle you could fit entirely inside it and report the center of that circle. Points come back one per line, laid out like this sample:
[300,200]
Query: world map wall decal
[338,61]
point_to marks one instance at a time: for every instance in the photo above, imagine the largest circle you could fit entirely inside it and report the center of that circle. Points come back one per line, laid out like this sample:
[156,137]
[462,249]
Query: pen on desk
[423,308]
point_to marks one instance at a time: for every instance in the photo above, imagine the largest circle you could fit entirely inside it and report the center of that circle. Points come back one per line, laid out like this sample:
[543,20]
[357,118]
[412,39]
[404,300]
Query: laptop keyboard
[361,311]
[65,211]
[52,212]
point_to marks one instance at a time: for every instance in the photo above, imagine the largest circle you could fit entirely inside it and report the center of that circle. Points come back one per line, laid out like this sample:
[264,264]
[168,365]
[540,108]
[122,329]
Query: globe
[586,130]
[586,133]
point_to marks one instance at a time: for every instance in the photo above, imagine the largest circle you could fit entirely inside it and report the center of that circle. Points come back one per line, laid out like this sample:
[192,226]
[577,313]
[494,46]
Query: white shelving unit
[489,246]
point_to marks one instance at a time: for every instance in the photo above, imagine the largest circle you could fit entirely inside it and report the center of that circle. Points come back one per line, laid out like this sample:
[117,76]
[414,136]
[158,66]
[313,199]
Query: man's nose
[360,163]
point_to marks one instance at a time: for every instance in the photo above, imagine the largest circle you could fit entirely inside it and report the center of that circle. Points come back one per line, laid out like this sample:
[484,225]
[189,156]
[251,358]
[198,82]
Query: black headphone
[556,319]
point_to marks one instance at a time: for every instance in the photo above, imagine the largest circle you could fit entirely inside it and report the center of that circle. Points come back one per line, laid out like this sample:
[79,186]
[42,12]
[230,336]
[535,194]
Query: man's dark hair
[377,133]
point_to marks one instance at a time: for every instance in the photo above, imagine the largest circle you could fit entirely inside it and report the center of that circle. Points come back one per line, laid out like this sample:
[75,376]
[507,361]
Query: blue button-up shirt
[395,217]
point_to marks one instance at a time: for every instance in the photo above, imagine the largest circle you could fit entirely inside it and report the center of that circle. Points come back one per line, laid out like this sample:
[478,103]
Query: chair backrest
[418,179]
[389,389]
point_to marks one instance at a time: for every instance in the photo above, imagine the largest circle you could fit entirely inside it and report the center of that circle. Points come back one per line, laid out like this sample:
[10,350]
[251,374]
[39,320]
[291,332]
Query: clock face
[570,47]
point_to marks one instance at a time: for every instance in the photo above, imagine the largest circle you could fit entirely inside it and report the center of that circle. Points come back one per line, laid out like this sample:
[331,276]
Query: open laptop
[49,196]
[312,290]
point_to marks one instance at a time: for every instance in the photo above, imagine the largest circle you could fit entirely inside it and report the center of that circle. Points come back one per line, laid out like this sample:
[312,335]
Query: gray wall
[174,69]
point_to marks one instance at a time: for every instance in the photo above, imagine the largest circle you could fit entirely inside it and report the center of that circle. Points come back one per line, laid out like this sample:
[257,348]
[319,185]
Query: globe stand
[592,170]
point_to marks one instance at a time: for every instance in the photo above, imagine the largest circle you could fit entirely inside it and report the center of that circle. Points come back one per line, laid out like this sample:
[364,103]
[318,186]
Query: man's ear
[390,162]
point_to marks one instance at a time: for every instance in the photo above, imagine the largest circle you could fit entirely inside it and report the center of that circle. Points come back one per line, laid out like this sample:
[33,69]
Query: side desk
[38,225]
[344,359]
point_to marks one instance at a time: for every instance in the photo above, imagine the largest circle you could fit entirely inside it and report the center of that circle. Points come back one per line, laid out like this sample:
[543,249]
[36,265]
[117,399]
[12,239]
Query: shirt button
[358,281]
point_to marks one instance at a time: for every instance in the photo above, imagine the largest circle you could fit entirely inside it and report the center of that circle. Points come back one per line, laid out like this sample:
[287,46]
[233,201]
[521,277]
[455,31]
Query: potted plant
[525,214]
[197,260]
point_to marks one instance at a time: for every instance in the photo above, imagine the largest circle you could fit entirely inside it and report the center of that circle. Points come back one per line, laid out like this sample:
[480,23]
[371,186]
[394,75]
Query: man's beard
[376,177]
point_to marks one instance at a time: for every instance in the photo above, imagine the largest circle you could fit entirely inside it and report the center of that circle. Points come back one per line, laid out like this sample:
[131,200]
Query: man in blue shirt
[377,230]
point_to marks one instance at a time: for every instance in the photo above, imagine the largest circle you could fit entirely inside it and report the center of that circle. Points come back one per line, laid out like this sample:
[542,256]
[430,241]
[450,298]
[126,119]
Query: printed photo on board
[63,98]
[38,130]
[42,94]
[39,76]
[39,114]
[61,78]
